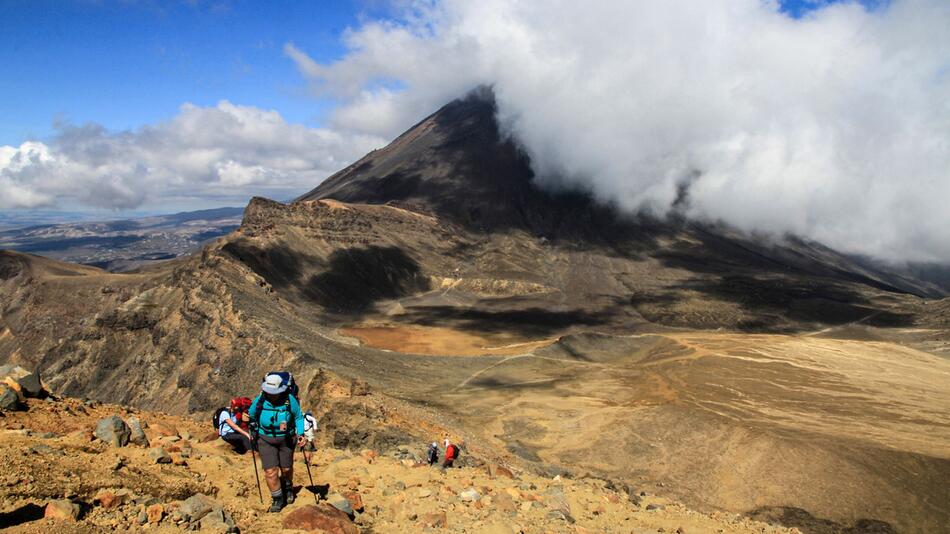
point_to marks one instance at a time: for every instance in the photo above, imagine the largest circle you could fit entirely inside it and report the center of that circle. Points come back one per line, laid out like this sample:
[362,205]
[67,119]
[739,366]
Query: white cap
[272,384]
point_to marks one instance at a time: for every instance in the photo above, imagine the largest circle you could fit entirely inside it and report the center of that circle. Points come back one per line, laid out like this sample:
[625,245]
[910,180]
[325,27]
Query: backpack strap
[269,429]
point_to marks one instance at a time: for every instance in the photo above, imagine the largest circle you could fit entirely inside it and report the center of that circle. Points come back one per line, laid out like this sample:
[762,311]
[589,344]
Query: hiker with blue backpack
[279,427]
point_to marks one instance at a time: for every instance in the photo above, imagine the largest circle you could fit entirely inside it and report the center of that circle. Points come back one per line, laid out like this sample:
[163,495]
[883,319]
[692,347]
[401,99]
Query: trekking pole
[313,488]
[256,476]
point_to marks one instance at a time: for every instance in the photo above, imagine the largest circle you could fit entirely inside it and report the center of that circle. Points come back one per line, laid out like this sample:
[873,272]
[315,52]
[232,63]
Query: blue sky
[124,64]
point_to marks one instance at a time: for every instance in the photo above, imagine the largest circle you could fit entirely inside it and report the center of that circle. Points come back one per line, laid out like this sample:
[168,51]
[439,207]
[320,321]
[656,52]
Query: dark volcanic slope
[454,164]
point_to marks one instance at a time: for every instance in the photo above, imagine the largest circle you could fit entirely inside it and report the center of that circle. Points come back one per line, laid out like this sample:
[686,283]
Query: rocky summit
[585,355]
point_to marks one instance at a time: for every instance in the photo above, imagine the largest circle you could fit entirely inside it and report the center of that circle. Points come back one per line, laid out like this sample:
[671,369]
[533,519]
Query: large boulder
[323,518]
[113,430]
[26,381]
[9,400]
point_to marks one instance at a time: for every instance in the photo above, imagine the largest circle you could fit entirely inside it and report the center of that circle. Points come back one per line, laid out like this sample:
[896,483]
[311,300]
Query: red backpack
[240,406]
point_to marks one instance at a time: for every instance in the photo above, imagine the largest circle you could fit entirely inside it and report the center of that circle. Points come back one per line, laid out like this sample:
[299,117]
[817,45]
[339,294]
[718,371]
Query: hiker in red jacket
[452,452]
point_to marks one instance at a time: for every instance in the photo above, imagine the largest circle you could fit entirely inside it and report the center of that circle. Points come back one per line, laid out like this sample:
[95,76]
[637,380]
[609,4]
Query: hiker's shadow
[321,490]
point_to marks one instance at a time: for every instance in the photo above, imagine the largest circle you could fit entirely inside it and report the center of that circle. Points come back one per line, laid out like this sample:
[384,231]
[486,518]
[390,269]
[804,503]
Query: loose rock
[137,434]
[159,455]
[435,520]
[113,430]
[341,503]
[356,500]
[469,495]
[155,513]
[62,510]
[28,382]
[195,507]
[9,400]
[321,518]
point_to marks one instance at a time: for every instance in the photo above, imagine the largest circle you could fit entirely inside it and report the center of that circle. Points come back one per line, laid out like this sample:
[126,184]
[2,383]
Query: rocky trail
[62,471]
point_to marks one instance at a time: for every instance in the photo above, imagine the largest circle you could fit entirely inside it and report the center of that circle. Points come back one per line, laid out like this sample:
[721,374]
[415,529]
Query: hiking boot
[277,504]
[288,490]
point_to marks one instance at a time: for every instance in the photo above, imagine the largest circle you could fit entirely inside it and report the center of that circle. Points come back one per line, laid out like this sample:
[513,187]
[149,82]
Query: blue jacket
[268,416]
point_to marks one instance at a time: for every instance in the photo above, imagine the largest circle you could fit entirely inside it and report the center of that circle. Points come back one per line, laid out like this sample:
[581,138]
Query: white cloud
[834,127]
[227,151]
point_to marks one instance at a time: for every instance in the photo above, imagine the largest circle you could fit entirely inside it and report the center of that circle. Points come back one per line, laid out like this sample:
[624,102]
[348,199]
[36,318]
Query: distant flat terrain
[123,244]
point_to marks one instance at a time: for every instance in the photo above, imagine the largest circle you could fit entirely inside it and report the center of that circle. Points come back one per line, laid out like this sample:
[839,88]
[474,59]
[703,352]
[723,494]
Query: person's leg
[270,459]
[238,442]
[286,457]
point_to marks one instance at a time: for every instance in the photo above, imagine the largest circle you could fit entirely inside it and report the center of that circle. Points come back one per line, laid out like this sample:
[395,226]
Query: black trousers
[239,442]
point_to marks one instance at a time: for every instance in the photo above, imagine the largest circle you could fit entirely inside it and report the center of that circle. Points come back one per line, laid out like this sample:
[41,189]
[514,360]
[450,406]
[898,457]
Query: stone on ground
[163,429]
[9,400]
[137,434]
[356,500]
[154,513]
[62,510]
[341,503]
[159,455]
[113,430]
[195,507]
[325,519]
[28,382]
[435,520]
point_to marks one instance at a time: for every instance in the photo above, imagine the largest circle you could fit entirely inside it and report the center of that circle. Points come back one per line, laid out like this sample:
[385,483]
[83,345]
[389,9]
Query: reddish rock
[323,518]
[62,510]
[108,499]
[209,438]
[502,471]
[356,501]
[155,513]
[435,520]
[163,429]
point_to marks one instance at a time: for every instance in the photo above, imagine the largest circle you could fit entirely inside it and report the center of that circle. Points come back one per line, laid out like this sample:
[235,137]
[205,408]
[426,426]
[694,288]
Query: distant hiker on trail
[276,415]
[309,427]
[452,452]
[232,424]
[433,453]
